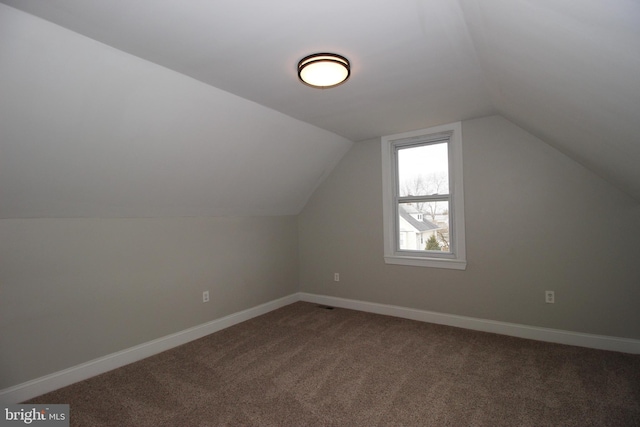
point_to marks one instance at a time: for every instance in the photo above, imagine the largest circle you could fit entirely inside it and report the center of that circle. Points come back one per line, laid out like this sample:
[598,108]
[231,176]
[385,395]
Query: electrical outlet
[549,297]
[205,296]
[336,277]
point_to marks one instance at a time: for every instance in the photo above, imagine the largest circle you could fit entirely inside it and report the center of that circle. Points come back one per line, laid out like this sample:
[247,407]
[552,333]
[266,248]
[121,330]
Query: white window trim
[457,259]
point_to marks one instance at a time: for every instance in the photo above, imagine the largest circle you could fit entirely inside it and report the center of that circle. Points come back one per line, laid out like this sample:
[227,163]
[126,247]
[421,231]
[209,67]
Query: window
[423,198]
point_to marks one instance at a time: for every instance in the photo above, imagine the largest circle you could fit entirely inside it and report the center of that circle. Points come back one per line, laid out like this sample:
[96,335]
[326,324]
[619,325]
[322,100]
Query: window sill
[453,264]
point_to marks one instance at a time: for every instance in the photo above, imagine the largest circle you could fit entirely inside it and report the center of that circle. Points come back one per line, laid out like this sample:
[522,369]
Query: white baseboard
[601,342]
[39,386]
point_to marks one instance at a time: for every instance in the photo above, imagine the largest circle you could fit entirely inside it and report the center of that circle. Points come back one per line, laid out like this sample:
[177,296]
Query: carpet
[308,365]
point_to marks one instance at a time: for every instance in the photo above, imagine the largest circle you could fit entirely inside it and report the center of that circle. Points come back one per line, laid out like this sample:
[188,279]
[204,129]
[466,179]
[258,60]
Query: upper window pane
[423,170]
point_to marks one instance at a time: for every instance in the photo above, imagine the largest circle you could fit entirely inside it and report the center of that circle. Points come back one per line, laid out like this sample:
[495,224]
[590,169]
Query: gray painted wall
[535,221]
[73,290]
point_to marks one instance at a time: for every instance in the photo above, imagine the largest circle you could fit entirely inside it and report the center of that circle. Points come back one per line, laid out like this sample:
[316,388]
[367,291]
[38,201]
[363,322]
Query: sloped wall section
[90,131]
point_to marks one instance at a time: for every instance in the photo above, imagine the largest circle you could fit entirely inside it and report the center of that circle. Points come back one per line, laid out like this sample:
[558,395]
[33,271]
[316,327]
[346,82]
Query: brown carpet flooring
[306,365]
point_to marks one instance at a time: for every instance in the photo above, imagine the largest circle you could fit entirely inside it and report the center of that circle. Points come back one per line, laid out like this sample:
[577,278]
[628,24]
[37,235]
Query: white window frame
[456,258]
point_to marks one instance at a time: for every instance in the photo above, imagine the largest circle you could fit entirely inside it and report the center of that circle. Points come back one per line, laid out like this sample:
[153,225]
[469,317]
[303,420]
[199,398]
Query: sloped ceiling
[568,72]
[222,126]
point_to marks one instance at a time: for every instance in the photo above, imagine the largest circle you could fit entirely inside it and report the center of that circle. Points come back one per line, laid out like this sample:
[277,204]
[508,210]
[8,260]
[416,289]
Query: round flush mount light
[324,70]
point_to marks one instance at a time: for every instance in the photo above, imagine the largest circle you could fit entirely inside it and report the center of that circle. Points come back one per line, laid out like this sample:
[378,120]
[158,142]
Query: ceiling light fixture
[324,70]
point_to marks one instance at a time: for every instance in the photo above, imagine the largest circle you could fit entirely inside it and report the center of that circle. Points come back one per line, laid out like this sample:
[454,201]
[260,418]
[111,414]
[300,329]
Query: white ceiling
[410,59]
[565,70]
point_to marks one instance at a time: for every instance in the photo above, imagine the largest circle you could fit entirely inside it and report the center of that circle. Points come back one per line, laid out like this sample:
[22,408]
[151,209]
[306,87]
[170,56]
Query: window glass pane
[423,170]
[424,226]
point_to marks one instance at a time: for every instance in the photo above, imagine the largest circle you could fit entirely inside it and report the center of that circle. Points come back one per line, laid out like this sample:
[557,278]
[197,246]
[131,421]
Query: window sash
[425,140]
[437,254]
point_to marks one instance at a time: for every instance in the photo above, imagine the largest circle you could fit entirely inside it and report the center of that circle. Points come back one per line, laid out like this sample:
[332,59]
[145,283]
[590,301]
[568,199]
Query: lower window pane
[424,226]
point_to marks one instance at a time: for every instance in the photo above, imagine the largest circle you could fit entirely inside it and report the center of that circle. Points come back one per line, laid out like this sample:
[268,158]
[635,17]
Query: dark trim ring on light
[324,70]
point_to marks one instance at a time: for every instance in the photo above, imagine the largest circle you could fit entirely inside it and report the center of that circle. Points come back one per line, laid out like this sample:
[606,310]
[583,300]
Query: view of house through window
[423,196]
